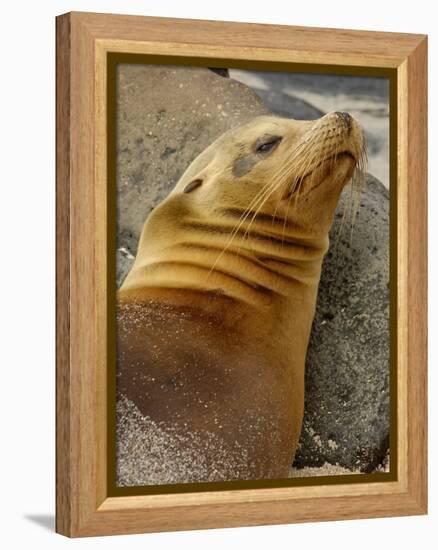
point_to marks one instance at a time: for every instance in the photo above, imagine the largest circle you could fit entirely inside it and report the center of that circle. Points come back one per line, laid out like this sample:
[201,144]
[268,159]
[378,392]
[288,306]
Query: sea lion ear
[192,185]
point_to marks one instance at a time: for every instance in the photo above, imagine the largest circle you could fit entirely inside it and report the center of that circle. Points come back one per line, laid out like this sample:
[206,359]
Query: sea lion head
[289,170]
[251,214]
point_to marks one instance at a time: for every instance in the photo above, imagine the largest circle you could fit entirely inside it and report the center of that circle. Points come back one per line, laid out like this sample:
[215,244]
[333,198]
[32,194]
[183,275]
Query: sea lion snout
[339,131]
[346,118]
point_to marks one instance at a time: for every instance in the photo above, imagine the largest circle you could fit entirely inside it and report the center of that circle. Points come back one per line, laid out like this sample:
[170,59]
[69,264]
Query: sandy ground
[149,455]
[334,470]
[326,470]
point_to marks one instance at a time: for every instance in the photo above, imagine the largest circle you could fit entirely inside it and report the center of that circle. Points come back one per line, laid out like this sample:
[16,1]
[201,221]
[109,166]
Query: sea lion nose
[345,117]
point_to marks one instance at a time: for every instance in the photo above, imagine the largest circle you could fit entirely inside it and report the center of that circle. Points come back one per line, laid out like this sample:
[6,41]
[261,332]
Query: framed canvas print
[241,274]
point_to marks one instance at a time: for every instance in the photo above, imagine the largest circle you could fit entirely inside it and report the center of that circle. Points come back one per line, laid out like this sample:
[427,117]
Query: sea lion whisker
[303,169]
[274,187]
[289,165]
[271,189]
[357,181]
[267,192]
[287,213]
[248,229]
[268,195]
[275,184]
[238,226]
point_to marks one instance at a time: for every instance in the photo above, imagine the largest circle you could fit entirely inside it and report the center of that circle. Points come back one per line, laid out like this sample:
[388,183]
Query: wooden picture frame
[84,42]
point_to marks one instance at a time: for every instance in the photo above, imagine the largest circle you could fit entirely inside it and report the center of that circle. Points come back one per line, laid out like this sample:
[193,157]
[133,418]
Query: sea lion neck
[208,254]
[259,272]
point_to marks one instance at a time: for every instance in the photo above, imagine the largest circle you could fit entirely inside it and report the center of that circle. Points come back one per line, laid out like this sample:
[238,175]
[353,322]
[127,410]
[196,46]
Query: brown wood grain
[63,409]
[389,49]
[83,505]
[417,274]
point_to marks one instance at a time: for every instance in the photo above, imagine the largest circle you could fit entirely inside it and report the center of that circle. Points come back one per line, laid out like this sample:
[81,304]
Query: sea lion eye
[192,185]
[268,145]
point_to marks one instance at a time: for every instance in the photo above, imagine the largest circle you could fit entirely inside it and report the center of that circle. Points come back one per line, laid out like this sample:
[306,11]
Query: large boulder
[166,117]
[346,419]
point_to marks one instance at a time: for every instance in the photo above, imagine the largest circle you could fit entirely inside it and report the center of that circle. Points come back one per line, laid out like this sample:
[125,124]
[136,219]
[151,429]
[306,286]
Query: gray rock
[124,261]
[321,84]
[288,106]
[166,117]
[346,418]
[221,72]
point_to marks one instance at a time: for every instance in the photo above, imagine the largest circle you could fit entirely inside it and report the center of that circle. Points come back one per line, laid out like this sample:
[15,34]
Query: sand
[147,454]
[325,470]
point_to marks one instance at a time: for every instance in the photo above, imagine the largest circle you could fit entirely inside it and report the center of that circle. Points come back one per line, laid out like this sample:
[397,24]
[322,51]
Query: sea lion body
[215,315]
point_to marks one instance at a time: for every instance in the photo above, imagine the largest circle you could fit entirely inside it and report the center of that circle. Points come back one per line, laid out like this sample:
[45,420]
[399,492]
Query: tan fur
[224,286]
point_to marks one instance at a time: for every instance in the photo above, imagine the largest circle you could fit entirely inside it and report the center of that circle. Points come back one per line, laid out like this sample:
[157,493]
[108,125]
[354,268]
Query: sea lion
[215,315]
